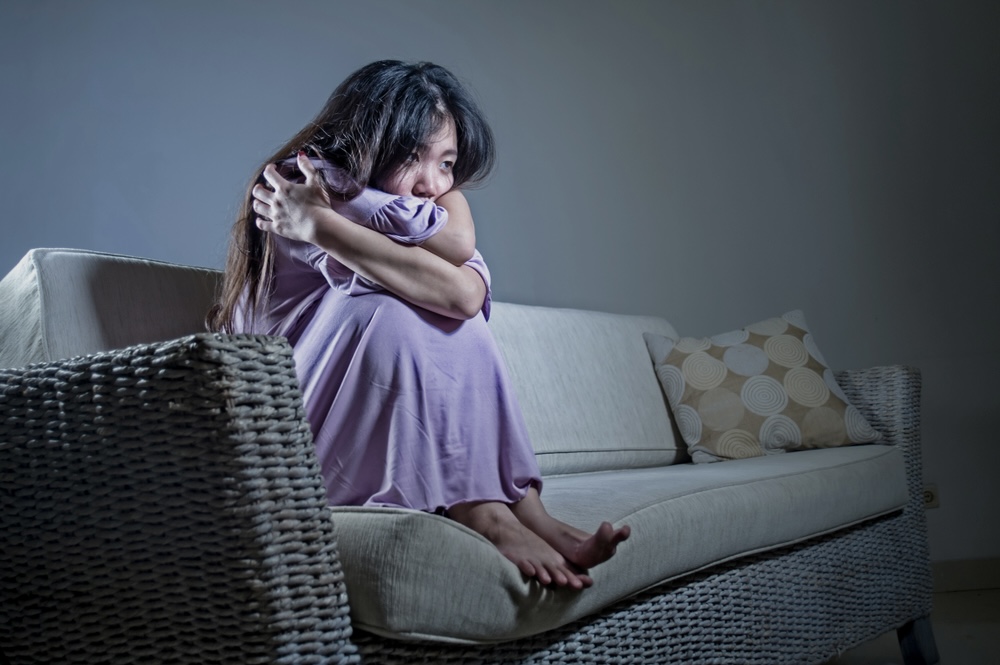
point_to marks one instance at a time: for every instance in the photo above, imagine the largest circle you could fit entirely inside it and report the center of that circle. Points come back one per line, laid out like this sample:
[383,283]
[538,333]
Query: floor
[965,625]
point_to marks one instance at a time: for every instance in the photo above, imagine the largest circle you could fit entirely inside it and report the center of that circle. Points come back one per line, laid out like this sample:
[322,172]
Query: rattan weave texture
[161,504]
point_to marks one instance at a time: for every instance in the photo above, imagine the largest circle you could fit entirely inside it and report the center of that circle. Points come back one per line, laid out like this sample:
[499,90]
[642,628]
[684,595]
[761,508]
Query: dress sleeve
[479,265]
[406,219]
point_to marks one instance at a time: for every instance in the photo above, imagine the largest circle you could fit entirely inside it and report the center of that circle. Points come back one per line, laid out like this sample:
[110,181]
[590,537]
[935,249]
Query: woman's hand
[289,209]
[303,212]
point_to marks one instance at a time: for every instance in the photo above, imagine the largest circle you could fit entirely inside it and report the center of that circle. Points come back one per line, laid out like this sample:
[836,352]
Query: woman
[363,255]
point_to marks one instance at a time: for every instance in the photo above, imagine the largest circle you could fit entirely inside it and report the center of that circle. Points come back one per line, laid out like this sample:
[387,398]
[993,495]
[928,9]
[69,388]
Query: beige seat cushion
[413,575]
[59,303]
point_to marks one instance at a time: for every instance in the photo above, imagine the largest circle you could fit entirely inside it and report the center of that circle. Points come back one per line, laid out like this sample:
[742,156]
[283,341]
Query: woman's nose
[430,183]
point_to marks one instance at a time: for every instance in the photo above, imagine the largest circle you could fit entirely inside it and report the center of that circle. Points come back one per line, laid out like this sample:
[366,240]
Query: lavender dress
[408,408]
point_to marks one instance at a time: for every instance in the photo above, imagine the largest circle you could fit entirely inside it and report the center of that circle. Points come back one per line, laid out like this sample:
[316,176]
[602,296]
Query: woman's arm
[302,212]
[456,242]
[443,227]
[401,217]
[412,273]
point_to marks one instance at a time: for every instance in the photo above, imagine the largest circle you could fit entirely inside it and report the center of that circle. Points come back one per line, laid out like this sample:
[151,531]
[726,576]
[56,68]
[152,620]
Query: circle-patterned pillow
[760,390]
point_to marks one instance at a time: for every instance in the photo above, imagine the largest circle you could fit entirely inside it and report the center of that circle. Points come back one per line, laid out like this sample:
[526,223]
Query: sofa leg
[916,641]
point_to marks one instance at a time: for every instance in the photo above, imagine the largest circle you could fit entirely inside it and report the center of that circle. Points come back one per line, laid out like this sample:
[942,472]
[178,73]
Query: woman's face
[428,173]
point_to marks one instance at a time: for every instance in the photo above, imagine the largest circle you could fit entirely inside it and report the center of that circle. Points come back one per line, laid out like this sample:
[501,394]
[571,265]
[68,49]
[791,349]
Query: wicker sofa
[160,502]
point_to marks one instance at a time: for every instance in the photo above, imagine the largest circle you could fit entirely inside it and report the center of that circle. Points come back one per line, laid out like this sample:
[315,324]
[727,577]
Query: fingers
[262,218]
[306,166]
[282,206]
[264,197]
[273,178]
[261,194]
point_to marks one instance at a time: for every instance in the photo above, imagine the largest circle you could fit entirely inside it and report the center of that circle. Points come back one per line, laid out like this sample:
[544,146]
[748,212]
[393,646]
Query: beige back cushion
[585,382]
[587,387]
[58,303]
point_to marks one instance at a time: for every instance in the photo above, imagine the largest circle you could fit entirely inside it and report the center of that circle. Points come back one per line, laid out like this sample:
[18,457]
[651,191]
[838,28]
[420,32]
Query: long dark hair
[368,127]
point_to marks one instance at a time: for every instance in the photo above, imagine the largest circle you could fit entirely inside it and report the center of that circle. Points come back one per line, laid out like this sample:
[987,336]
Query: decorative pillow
[760,390]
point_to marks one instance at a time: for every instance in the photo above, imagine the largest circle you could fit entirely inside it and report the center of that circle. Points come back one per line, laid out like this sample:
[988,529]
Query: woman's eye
[447,166]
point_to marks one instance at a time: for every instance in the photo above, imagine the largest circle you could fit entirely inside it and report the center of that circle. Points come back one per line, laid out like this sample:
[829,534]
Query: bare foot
[599,547]
[530,553]
[578,547]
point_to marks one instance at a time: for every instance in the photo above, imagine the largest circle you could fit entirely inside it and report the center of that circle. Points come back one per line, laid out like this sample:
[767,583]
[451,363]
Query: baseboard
[966,575]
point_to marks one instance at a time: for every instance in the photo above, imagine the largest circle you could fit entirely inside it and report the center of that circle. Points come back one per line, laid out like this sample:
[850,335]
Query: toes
[607,534]
[601,546]
[560,578]
[543,575]
[561,574]
[569,575]
[622,534]
[579,581]
[607,539]
[526,568]
[583,580]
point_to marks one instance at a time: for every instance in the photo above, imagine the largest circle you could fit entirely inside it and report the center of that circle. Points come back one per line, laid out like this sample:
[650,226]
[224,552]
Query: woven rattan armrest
[162,503]
[889,398]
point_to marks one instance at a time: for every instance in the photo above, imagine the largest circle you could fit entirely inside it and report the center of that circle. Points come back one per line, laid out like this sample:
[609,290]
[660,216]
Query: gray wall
[715,163]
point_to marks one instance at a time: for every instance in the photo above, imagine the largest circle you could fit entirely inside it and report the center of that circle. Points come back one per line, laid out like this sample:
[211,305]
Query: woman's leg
[519,543]
[578,547]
